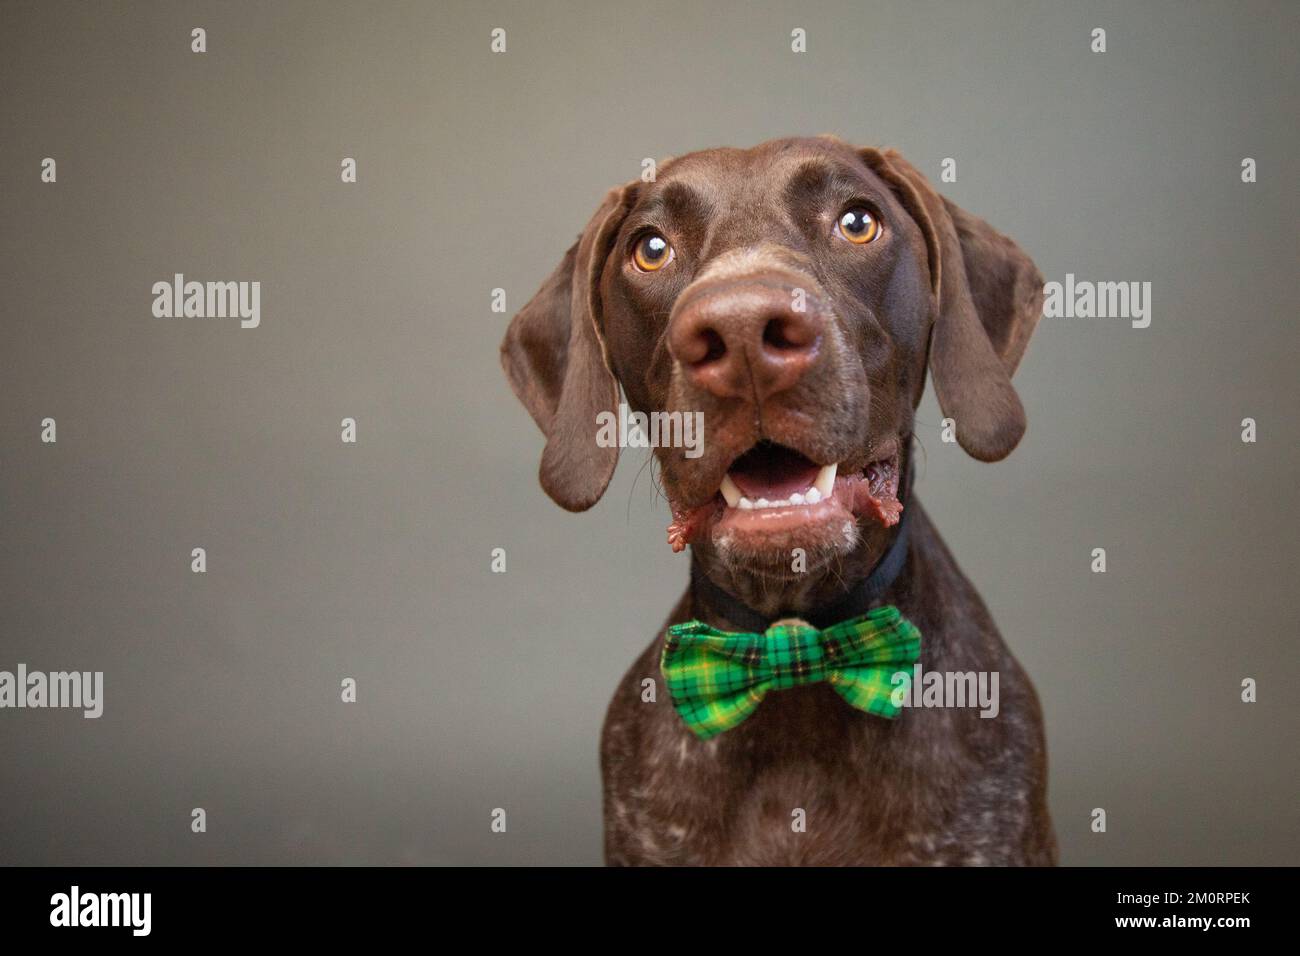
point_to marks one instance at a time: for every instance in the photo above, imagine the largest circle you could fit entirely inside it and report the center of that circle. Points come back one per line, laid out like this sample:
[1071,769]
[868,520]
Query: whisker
[635,479]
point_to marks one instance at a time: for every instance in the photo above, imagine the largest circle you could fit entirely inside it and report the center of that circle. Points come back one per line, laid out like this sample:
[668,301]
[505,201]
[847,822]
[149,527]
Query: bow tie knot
[718,678]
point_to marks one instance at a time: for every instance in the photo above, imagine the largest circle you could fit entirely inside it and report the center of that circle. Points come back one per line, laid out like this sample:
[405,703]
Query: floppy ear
[989,297]
[554,357]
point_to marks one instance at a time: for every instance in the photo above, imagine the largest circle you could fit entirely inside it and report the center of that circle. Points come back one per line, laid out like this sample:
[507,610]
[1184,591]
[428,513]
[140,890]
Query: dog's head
[793,293]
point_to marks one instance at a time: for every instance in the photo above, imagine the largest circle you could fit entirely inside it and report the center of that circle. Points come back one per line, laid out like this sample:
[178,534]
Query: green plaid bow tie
[718,678]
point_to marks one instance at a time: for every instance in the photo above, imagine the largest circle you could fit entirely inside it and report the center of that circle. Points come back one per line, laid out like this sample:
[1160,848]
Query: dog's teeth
[773,503]
[809,497]
[821,489]
[825,483]
[730,491]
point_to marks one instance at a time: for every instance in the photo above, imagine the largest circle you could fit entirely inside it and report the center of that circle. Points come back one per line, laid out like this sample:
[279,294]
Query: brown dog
[794,293]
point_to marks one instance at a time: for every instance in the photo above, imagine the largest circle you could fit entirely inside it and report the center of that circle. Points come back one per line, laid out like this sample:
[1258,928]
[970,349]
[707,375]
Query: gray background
[481,690]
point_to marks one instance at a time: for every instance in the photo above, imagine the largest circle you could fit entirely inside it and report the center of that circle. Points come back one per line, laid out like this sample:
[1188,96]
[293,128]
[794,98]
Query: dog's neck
[819,606]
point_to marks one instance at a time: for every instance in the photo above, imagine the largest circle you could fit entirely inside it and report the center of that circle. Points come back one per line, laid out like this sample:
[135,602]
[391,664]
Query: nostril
[784,334]
[714,347]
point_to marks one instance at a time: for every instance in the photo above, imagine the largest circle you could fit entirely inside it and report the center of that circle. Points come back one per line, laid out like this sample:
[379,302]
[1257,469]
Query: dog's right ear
[554,357]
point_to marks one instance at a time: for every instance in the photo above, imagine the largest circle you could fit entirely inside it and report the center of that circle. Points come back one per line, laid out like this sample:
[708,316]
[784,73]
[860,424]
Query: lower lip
[784,518]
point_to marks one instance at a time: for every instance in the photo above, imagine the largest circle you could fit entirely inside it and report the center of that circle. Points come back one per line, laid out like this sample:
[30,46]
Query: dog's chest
[806,780]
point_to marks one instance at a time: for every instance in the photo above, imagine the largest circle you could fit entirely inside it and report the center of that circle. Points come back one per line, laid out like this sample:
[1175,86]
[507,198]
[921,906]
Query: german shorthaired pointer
[796,294]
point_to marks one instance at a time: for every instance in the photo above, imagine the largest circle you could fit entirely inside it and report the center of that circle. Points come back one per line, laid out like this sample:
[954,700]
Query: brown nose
[745,338]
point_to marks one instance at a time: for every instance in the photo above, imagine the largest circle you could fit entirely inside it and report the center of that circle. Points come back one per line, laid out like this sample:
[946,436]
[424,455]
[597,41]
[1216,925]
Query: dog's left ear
[989,297]
[554,356]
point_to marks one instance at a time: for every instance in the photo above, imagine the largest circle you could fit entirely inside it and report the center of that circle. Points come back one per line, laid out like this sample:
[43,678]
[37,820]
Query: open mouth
[773,476]
[772,493]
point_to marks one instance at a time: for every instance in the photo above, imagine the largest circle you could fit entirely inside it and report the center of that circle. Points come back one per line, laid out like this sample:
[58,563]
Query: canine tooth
[745,504]
[761,503]
[730,491]
[825,483]
[796,499]
[812,496]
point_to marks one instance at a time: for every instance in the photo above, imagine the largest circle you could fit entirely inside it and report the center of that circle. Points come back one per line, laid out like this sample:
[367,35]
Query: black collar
[853,602]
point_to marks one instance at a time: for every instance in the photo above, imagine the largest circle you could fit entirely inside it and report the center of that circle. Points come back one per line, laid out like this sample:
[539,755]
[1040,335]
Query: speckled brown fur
[935,787]
[940,291]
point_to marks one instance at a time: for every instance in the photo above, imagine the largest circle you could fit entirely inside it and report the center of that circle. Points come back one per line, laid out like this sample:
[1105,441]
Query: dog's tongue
[772,472]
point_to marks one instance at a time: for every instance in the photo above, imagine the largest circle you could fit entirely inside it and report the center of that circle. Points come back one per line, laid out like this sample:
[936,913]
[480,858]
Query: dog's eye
[652,252]
[858,225]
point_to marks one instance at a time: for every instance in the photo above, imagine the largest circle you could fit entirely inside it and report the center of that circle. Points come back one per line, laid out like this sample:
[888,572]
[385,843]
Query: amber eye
[652,252]
[858,225]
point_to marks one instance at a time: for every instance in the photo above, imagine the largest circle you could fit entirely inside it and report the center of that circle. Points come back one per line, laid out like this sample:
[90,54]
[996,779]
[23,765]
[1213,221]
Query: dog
[796,293]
